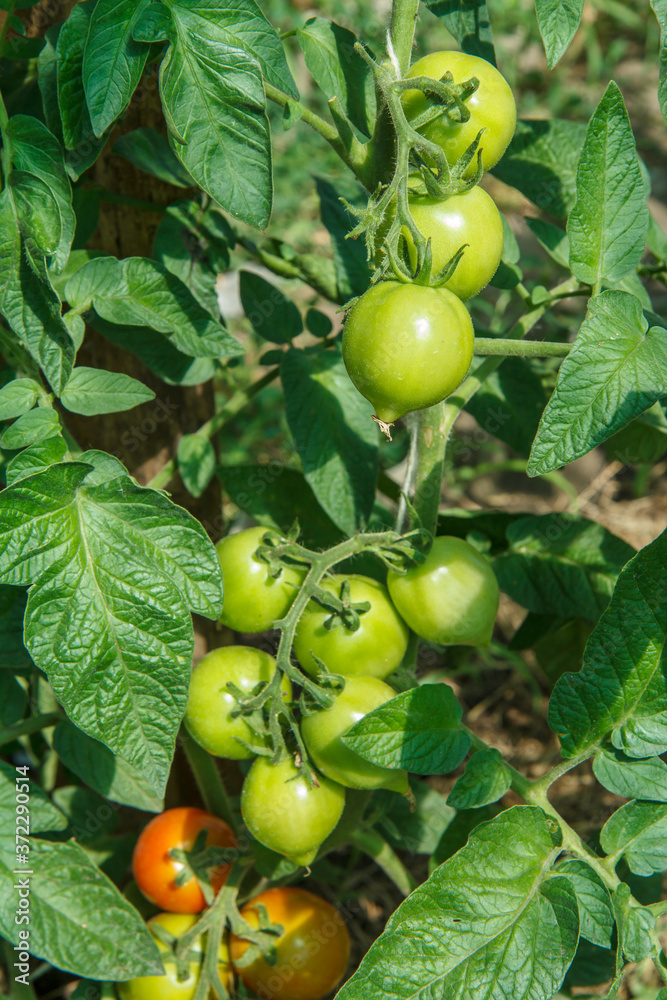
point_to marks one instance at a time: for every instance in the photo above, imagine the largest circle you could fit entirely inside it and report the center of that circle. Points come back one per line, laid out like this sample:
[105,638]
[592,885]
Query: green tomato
[470,218]
[208,717]
[491,107]
[284,814]
[254,600]
[451,598]
[170,986]
[407,347]
[375,649]
[322,734]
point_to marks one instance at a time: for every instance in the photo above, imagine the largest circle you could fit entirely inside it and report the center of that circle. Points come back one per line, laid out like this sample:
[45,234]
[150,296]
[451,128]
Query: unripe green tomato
[208,717]
[169,986]
[470,218]
[492,107]
[254,600]
[322,734]
[284,814]
[375,649]
[451,598]
[406,346]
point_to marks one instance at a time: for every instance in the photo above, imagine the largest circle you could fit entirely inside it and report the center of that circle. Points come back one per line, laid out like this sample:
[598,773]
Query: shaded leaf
[468,21]
[485,780]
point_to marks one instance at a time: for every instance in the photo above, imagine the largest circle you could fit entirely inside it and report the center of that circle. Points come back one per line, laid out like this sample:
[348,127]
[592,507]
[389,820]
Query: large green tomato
[254,600]
[470,218]
[170,986]
[407,347]
[208,717]
[451,598]
[491,107]
[322,734]
[375,649]
[284,814]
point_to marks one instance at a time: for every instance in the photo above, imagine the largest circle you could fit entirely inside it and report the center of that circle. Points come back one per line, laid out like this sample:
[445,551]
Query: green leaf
[540,162]
[557,564]
[37,152]
[608,224]
[318,323]
[157,353]
[86,151]
[509,404]
[276,496]
[114,571]
[93,390]
[196,462]
[105,773]
[272,315]
[416,827]
[32,426]
[418,731]
[36,458]
[77,129]
[595,908]
[353,274]
[112,61]
[613,373]
[660,10]
[18,397]
[558,21]
[485,780]
[13,699]
[213,97]
[638,832]
[13,654]
[468,21]
[140,292]
[21,48]
[643,441]
[193,244]
[554,240]
[623,775]
[78,919]
[44,816]
[334,435]
[28,300]
[621,686]
[490,922]
[637,931]
[150,151]
[339,70]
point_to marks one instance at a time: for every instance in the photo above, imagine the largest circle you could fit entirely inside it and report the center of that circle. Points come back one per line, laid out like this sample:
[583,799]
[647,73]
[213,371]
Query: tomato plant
[372,645]
[451,597]
[322,733]
[407,347]
[209,716]
[155,870]
[242,247]
[180,979]
[491,107]
[286,813]
[312,951]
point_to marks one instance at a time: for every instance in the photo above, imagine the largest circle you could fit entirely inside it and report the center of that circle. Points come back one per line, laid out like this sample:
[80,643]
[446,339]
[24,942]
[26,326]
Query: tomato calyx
[198,862]
[181,957]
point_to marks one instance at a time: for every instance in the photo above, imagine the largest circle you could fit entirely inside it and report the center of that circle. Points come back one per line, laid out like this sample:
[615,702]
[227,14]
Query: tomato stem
[402,32]
[208,778]
[377,848]
[485,346]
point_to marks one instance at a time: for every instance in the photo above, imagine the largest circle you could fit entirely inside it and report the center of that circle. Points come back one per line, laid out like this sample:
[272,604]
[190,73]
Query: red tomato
[155,871]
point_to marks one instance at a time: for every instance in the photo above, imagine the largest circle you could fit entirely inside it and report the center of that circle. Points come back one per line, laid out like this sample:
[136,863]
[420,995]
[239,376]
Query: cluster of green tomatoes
[407,345]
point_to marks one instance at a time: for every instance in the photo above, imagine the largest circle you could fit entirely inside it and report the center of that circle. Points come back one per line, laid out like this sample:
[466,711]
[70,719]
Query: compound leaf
[114,570]
[622,686]
[490,922]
